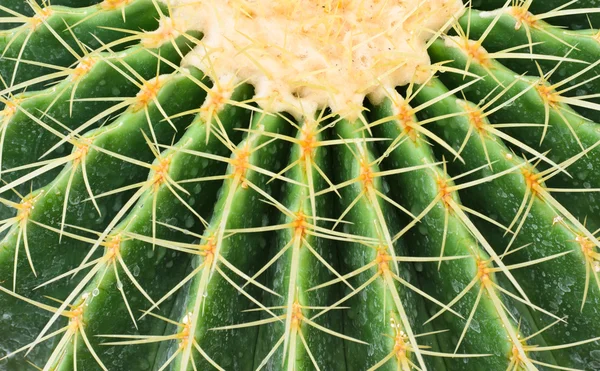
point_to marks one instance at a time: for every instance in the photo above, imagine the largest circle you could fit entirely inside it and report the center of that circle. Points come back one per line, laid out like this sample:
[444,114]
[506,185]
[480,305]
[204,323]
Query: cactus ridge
[156,217]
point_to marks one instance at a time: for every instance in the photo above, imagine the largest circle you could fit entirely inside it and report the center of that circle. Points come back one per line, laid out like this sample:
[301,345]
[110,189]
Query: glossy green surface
[566,136]
[68,34]
[556,285]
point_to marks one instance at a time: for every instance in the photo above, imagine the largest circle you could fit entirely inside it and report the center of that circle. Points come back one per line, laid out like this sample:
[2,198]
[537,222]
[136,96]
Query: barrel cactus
[299,185]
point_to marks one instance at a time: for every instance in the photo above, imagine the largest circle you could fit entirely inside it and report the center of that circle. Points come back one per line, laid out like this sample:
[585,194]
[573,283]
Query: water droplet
[385,186]
[475,326]
[95,292]
[456,286]
[189,222]
[119,286]
[144,364]
[136,271]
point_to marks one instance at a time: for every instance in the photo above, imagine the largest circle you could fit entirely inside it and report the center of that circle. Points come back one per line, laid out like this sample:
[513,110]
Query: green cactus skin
[575,21]
[580,45]
[25,9]
[511,190]
[301,266]
[372,218]
[121,138]
[76,28]
[26,126]
[428,240]
[152,219]
[206,307]
[567,133]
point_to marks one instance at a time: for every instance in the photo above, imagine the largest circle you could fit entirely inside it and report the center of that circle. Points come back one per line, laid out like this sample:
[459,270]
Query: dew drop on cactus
[299,185]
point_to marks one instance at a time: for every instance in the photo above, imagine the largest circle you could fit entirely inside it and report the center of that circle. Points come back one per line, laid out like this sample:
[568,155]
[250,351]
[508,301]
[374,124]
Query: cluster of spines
[152,228]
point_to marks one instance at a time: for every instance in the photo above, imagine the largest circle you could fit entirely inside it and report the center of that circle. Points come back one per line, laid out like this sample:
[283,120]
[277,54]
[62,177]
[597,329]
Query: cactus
[183,191]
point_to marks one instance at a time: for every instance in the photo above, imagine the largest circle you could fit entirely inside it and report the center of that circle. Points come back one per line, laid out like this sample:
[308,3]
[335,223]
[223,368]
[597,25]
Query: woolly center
[303,55]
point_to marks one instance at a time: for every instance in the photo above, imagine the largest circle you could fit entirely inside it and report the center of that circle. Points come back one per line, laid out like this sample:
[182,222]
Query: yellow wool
[302,55]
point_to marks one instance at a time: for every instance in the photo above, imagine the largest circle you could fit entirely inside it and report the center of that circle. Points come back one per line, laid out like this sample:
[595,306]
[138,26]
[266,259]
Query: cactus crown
[304,56]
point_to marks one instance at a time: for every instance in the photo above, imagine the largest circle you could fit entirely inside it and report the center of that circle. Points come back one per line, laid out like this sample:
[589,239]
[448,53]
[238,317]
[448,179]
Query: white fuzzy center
[303,55]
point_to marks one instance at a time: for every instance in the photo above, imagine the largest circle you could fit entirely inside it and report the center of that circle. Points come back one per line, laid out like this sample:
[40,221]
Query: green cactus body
[31,118]
[562,132]
[304,261]
[580,46]
[561,238]
[299,185]
[556,11]
[20,9]
[67,32]
[442,233]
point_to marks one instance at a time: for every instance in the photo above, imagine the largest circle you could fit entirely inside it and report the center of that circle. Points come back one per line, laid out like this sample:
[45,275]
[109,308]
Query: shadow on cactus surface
[299,185]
